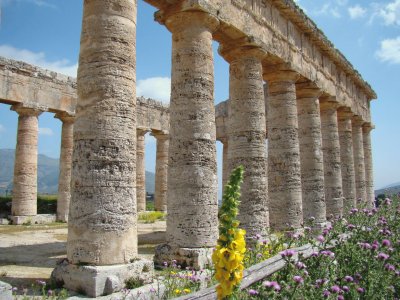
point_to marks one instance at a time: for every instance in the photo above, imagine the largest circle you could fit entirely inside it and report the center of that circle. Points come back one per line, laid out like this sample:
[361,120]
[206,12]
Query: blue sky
[46,33]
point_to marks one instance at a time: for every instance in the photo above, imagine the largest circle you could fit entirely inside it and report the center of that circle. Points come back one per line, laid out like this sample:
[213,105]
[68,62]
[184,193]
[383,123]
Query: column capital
[345,113]
[367,127]
[26,111]
[179,21]
[357,121]
[65,117]
[307,90]
[240,50]
[327,104]
[281,75]
[160,135]
[141,131]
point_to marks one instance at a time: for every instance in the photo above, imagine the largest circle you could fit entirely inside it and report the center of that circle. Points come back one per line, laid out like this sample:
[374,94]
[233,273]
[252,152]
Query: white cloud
[39,59]
[390,51]
[2,128]
[157,88]
[329,10]
[356,11]
[391,13]
[41,3]
[45,131]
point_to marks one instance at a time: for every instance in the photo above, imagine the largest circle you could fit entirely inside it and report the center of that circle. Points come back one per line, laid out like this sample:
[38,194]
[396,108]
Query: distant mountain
[389,190]
[48,170]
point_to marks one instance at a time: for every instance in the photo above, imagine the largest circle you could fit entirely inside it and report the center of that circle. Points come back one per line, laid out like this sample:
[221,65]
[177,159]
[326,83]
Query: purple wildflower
[348,278]
[340,297]
[299,265]
[383,256]
[335,289]
[390,267]
[326,293]
[360,290]
[320,238]
[298,279]
[288,253]
[351,227]
[253,292]
[386,243]
[345,288]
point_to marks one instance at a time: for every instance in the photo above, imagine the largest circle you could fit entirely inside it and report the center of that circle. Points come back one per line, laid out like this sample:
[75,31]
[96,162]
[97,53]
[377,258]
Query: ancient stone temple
[298,119]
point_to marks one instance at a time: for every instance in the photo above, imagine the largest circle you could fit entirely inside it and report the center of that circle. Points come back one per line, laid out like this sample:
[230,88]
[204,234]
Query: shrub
[151,216]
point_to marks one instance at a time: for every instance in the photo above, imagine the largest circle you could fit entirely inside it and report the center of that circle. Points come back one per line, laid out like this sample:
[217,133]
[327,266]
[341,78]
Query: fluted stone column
[359,162]
[24,199]
[246,135]
[347,159]
[161,184]
[369,176]
[102,227]
[331,154]
[192,222]
[140,170]
[284,176]
[64,180]
[311,158]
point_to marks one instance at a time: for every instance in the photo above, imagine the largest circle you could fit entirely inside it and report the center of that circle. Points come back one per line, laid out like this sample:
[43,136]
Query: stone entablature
[46,90]
[290,40]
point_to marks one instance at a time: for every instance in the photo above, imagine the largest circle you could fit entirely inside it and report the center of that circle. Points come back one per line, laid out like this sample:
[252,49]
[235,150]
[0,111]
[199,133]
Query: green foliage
[46,204]
[358,258]
[230,207]
[133,283]
[151,216]
[150,205]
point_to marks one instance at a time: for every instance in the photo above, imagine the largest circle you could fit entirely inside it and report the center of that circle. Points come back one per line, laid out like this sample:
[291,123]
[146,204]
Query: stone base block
[5,291]
[4,221]
[197,258]
[28,220]
[96,281]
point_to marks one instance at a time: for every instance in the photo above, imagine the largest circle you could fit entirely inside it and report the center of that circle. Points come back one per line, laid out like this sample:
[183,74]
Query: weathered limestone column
[359,162]
[192,221]
[246,134]
[347,159]
[331,154]
[284,176]
[24,199]
[64,180]
[369,176]
[140,170]
[311,158]
[160,196]
[102,227]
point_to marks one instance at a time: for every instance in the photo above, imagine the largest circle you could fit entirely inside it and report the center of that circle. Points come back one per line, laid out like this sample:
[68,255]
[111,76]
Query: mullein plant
[231,247]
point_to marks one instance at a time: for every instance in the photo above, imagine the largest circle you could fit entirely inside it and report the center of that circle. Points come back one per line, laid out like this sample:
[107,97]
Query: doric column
[311,158]
[102,226]
[246,134]
[369,176]
[331,154]
[284,176]
[140,170]
[24,199]
[359,163]
[160,196]
[347,159]
[64,180]
[192,225]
